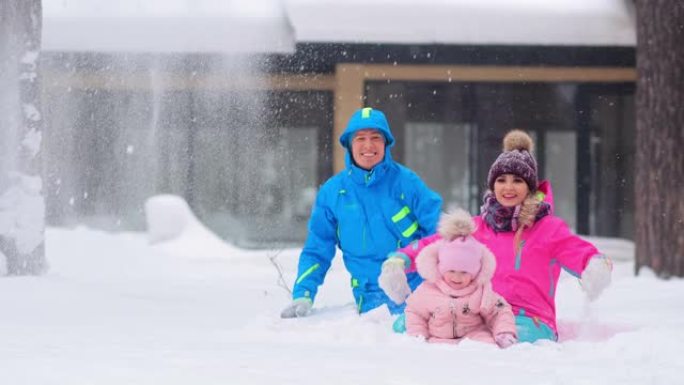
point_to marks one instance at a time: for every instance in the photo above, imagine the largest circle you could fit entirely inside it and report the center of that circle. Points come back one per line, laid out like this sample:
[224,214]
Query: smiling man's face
[368,148]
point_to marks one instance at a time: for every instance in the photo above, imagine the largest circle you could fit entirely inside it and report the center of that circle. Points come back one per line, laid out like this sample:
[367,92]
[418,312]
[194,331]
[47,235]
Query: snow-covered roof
[274,26]
[479,22]
[233,26]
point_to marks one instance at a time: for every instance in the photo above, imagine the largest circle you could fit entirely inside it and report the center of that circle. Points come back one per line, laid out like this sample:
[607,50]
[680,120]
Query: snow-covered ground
[114,309]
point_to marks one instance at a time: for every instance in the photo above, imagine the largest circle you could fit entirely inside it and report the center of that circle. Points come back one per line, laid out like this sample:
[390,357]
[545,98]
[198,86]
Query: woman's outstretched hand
[596,276]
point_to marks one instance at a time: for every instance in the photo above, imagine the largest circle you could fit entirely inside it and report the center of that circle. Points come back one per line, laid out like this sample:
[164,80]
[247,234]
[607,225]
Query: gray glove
[596,276]
[300,307]
[393,281]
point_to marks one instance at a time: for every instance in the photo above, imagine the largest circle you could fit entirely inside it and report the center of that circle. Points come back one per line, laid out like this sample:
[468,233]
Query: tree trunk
[659,162]
[22,205]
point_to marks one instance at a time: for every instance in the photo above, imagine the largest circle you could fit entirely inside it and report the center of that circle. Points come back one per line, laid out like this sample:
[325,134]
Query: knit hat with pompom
[460,254]
[459,251]
[515,159]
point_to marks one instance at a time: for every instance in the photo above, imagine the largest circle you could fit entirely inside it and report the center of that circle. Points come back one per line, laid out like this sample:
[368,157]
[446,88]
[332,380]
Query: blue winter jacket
[367,214]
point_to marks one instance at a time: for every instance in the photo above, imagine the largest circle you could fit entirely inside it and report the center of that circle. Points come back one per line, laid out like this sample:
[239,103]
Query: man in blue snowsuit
[368,210]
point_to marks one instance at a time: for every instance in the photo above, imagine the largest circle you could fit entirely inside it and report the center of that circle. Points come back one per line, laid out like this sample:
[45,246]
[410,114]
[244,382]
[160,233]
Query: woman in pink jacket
[530,245]
[456,300]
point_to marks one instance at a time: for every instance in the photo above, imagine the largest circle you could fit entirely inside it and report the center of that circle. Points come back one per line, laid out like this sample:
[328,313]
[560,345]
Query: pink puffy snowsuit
[440,313]
[528,279]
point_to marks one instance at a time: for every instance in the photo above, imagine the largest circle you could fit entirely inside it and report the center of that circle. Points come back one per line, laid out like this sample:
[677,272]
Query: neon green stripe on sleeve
[412,229]
[307,273]
[401,214]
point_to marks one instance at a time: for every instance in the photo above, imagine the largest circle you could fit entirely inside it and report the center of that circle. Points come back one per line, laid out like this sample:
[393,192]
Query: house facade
[245,128]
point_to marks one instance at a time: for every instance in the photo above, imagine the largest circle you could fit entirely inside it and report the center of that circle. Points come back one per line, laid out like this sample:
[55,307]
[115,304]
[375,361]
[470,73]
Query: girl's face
[457,279]
[510,190]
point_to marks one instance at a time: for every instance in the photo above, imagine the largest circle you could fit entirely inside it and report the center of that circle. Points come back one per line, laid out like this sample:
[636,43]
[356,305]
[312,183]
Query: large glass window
[435,133]
[561,168]
[259,176]
[440,154]
[99,154]
[248,161]
[611,135]
[450,133]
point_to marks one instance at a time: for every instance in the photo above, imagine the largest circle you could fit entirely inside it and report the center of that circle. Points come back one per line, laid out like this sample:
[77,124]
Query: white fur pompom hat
[458,250]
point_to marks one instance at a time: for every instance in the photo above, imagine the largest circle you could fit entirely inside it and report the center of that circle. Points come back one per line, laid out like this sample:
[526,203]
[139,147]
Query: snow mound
[173,228]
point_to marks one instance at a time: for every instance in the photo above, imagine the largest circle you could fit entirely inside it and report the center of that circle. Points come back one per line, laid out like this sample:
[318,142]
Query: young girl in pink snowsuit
[530,245]
[456,300]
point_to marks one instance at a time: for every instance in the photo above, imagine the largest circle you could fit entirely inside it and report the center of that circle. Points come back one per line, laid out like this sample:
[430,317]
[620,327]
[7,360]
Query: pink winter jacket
[442,314]
[528,279]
